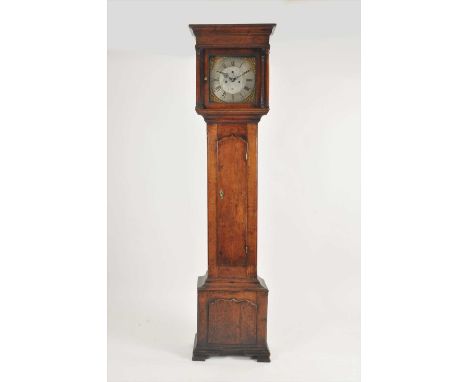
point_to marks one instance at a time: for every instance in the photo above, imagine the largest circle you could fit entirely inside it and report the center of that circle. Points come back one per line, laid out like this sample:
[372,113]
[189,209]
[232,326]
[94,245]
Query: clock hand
[224,74]
[240,75]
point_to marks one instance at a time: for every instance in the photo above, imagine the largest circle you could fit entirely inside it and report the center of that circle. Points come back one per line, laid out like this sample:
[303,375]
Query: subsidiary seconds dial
[232,79]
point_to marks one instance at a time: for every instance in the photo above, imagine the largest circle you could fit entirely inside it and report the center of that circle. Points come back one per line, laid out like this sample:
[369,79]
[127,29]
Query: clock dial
[232,79]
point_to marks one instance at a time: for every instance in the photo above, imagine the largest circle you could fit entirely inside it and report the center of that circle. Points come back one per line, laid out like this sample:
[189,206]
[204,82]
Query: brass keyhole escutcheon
[221,194]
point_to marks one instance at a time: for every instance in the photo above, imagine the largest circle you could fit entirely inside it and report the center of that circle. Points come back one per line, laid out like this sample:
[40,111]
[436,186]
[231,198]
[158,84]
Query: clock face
[232,79]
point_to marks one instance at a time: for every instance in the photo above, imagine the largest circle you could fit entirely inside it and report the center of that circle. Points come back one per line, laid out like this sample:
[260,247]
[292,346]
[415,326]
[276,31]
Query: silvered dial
[232,79]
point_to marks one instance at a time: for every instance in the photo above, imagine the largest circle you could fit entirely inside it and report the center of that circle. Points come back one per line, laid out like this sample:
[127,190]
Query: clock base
[201,353]
[232,318]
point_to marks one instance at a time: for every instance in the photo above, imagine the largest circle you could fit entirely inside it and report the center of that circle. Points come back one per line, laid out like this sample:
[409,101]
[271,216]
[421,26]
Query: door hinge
[246,156]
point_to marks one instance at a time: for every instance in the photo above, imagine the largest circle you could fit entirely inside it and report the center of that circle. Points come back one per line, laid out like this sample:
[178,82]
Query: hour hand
[224,74]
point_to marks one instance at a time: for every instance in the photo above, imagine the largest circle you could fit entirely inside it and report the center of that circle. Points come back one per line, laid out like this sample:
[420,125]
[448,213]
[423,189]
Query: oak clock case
[232,96]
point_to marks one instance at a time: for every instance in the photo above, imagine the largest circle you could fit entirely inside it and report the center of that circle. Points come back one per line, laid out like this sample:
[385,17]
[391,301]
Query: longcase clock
[232,96]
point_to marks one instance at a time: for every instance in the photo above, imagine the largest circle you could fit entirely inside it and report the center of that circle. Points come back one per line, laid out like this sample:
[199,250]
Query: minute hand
[240,75]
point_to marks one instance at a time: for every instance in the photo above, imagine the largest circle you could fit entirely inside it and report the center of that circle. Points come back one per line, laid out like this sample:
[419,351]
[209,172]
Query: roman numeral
[249,79]
[233,63]
[246,88]
[218,88]
[224,65]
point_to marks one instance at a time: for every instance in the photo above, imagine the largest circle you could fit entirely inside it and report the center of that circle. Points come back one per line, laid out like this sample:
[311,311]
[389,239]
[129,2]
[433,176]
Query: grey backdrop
[309,191]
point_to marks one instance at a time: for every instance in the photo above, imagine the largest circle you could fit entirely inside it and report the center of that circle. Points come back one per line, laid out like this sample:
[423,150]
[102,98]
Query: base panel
[261,354]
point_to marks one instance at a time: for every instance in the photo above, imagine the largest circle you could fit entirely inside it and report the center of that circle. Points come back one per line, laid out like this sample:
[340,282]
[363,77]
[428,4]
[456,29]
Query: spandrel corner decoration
[232,95]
